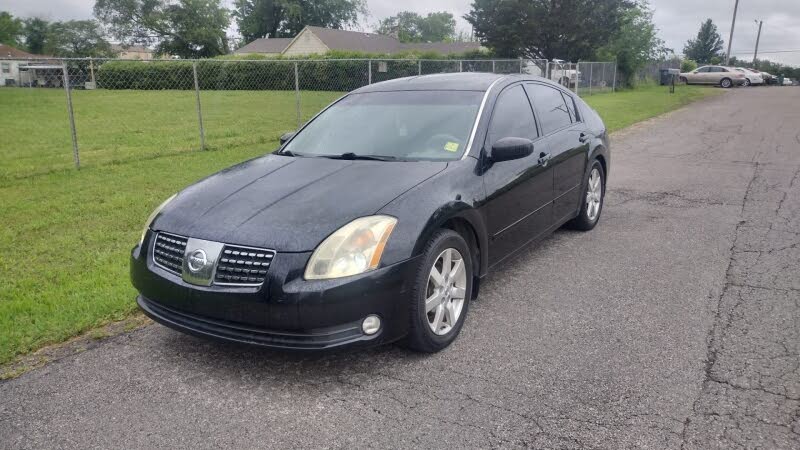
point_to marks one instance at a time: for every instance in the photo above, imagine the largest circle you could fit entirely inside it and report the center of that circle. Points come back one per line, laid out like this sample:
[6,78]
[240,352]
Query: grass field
[67,233]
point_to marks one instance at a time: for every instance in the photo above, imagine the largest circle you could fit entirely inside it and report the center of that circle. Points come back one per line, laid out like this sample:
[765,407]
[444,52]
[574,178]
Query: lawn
[67,233]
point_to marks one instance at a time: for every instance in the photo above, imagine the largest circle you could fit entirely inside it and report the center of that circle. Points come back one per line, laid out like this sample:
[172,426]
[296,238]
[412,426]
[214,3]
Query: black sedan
[377,220]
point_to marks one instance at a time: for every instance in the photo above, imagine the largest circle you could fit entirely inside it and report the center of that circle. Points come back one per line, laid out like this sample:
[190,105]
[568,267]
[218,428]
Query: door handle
[584,137]
[544,158]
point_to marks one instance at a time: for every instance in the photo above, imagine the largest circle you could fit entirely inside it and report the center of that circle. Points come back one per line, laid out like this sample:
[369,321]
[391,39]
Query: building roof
[265,45]
[379,43]
[357,41]
[7,51]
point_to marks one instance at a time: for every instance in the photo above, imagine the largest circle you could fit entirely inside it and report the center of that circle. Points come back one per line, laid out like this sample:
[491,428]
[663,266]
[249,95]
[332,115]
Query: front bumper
[286,312]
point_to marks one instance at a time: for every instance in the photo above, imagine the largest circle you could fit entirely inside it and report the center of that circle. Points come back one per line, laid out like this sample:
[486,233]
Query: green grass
[67,233]
[624,108]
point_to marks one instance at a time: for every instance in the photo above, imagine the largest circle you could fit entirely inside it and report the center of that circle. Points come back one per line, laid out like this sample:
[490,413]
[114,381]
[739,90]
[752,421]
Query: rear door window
[550,106]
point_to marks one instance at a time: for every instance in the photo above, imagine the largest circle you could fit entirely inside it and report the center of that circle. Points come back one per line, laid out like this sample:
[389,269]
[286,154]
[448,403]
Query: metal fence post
[460,65]
[369,71]
[492,66]
[297,93]
[75,153]
[577,77]
[419,67]
[614,84]
[604,75]
[591,67]
[520,65]
[199,111]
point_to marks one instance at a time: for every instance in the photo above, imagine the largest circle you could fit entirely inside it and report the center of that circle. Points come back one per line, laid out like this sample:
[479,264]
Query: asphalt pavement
[674,324]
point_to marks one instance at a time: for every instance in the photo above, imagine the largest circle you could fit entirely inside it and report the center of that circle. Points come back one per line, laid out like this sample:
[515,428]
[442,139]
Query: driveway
[675,323]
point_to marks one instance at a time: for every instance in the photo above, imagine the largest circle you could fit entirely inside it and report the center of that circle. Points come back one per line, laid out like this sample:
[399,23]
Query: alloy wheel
[446,289]
[726,83]
[594,195]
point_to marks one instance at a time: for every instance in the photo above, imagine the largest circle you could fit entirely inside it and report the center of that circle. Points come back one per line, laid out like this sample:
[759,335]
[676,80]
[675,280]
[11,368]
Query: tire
[588,217]
[747,82]
[421,336]
[564,82]
[684,80]
[726,83]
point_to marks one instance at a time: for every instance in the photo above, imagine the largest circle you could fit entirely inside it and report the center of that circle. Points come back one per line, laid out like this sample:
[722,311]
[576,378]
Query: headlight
[353,249]
[153,216]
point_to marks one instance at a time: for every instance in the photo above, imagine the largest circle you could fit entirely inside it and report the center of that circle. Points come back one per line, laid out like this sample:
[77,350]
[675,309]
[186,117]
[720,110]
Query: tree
[706,45]
[35,35]
[412,27]
[286,18]
[569,29]
[258,18]
[77,39]
[185,28]
[634,44]
[10,29]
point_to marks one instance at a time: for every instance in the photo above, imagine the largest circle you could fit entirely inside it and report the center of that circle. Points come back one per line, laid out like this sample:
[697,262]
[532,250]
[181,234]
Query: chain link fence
[596,77]
[122,110]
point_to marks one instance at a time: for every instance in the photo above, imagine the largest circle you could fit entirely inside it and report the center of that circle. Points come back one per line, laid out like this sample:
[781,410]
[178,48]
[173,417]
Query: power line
[767,51]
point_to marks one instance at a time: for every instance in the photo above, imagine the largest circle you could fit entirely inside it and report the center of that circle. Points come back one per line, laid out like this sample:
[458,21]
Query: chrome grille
[168,252]
[243,266]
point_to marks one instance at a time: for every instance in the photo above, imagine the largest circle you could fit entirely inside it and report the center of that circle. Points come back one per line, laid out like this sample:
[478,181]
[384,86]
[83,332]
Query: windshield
[402,125]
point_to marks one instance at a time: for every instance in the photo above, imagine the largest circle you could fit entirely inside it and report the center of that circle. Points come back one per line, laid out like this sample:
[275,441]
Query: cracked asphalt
[674,324]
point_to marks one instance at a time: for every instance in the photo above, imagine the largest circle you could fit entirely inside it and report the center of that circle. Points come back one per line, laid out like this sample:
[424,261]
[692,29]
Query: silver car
[717,75]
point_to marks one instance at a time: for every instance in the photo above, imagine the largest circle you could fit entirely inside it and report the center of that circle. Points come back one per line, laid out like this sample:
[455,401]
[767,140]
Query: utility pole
[758,38]
[730,39]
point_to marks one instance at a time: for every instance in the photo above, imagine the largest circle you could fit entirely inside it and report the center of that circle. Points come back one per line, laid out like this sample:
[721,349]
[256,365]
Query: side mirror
[507,149]
[286,136]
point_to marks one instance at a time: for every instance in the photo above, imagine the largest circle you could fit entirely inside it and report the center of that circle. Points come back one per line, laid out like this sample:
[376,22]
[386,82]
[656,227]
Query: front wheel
[442,289]
[592,200]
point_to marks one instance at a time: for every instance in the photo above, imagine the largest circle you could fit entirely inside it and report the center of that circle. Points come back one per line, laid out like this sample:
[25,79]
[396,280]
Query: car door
[716,74]
[565,137]
[519,193]
[700,75]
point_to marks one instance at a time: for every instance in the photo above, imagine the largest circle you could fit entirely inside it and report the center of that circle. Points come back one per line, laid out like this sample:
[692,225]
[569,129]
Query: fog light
[371,325]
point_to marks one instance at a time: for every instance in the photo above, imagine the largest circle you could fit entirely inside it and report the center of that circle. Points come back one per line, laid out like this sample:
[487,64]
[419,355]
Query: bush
[334,71]
[688,65]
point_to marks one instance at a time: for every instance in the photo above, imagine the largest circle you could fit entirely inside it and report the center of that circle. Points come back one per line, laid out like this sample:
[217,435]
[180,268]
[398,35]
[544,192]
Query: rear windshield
[403,125]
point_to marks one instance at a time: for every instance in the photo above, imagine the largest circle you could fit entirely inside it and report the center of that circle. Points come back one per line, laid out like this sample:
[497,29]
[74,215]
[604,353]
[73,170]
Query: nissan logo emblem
[197,260]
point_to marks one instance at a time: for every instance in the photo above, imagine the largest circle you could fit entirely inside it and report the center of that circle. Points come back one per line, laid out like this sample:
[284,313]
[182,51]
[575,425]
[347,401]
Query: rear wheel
[726,83]
[747,82]
[592,200]
[442,289]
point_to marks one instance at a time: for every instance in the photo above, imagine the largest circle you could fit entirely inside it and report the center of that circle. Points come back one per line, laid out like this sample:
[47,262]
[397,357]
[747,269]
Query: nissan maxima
[377,220]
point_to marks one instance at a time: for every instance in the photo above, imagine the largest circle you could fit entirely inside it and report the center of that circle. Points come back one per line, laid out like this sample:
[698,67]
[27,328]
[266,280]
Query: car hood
[288,204]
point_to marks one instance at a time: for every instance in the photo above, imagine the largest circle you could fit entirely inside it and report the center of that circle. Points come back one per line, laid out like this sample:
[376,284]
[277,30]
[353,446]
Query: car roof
[463,81]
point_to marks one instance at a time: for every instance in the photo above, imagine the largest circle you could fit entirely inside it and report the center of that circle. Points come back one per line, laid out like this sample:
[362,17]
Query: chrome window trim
[468,148]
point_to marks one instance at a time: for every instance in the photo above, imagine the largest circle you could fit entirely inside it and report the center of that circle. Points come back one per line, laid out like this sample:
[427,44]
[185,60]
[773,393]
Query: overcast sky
[677,20]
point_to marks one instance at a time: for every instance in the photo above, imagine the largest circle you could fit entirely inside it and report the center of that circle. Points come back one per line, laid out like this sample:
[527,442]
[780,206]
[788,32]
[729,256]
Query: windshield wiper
[353,156]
